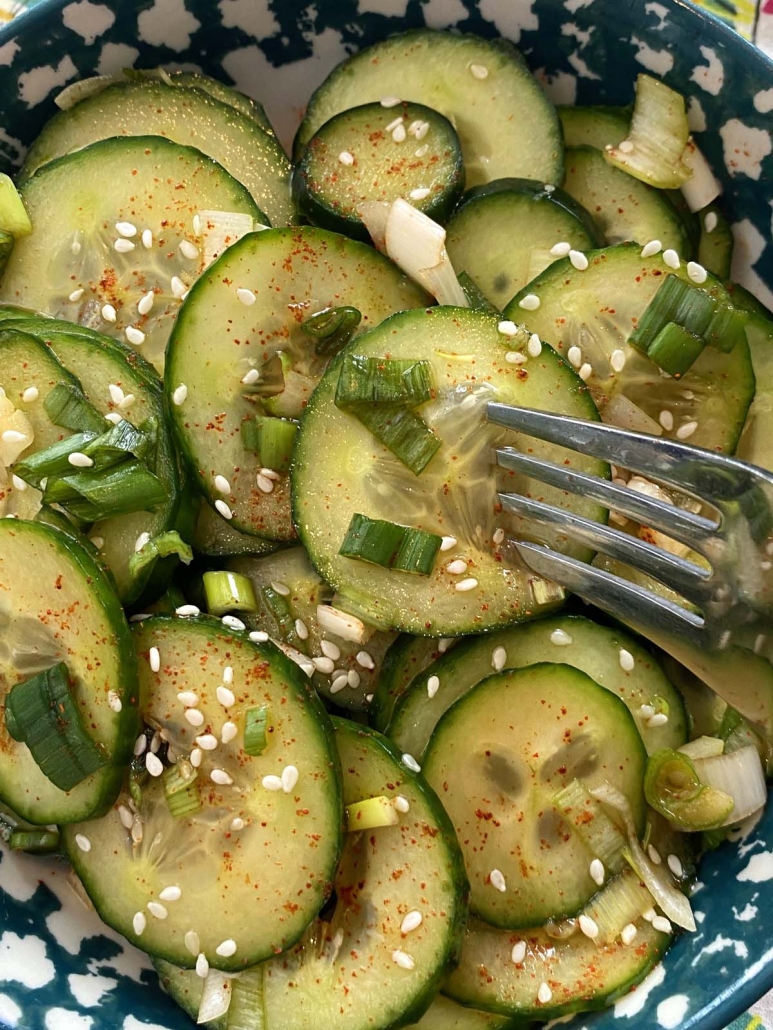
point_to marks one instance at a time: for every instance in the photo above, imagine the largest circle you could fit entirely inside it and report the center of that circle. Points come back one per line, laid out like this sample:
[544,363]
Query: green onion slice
[229,592]
[279,610]
[623,900]
[272,438]
[673,787]
[588,820]
[256,730]
[162,546]
[404,381]
[66,405]
[371,814]
[417,552]
[52,461]
[675,349]
[401,431]
[181,789]
[37,842]
[332,328]
[246,1011]
[391,546]
[91,496]
[477,301]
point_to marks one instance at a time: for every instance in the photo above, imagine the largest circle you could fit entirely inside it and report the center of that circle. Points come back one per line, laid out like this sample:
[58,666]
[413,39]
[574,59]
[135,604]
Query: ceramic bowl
[60,968]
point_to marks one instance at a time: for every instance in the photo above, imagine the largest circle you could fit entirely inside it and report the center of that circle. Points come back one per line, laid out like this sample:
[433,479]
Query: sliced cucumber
[214,537]
[191,117]
[455,496]
[610,657]
[498,757]
[384,874]
[72,245]
[502,234]
[594,126]
[367,154]
[505,123]
[225,94]
[293,273]
[596,309]
[756,443]
[257,882]
[579,973]
[57,605]
[622,207]
[406,657]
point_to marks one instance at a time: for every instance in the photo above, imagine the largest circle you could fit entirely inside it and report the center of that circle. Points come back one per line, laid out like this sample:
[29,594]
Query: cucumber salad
[273,677]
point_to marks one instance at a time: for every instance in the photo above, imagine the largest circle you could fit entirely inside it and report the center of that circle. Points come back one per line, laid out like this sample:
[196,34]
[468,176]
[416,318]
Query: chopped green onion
[739,775]
[657,137]
[674,788]
[44,716]
[659,312]
[417,244]
[246,1011]
[121,441]
[279,610]
[13,215]
[417,552]
[52,461]
[332,328]
[229,592]
[475,298]
[391,546]
[702,188]
[121,490]
[675,349]
[215,997]
[623,900]
[590,822]
[727,327]
[271,376]
[401,431]
[37,842]
[407,382]
[272,438]
[256,730]
[702,747]
[181,789]
[162,546]
[371,814]
[66,405]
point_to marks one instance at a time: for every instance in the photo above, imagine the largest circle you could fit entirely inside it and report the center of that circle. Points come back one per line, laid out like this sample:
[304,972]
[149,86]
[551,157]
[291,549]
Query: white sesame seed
[231,622]
[530,302]
[353,678]
[139,922]
[661,924]
[265,484]
[192,942]
[675,865]
[187,609]
[223,508]
[401,804]
[145,303]
[141,540]
[140,744]
[188,250]
[329,649]
[399,133]
[497,880]
[585,371]
[457,567]
[207,742]
[589,927]
[544,994]
[147,239]
[272,783]
[654,855]
[346,158]
[325,665]
[339,682]
[415,124]
[466,584]
[222,485]
[226,948]
[76,295]
[225,696]
[560,638]
[126,817]
[686,430]
[365,660]
[411,922]
[498,659]
[596,870]
[628,934]
[153,764]
[221,778]
[289,778]
[578,260]
[422,130]
[518,954]
[251,377]
[196,757]
[83,842]
[499,536]
[534,346]
[228,732]
[114,417]
[626,660]
[410,763]
[671,258]
[651,249]
[649,915]
[514,357]
[394,123]
[194,717]
[389,101]
[202,966]
[237,823]
[13,436]
[710,221]
[402,959]
[617,360]
[228,674]
[171,893]
[574,356]
[154,658]
[157,909]
[561,249]
[126,229]
[123,246]
[80,460]
[108,313]
[422,150]
[420,193]
[696,272]
[433,685]
[507,328]
[114,702]
[626,146]
[18,484]
[258,636]
[116,393]
[666,420]
[479,71]
[658,719]
[179,289]
[180,394]
[447,543]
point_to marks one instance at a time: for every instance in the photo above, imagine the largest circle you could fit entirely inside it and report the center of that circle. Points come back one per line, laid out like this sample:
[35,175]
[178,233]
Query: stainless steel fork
[729,597]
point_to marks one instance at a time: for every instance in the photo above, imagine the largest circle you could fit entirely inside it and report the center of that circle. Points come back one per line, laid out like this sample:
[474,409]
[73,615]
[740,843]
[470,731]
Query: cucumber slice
[72,245]
[595,311]
[609,656]
[594,126]
[230,891]
[444,1014]
[622,207]
[405,658]
[56,604]
[216,538]
[497,758]
[505,123]
[191,117]
[245,105]
[580,974]
[502,234]
[414,866]
[219,338]
[756,443]
[357,157]
[455,496]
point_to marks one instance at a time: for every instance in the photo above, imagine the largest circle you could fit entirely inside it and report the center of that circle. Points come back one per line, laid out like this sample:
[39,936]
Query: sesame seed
[422,150]
[116,393]
[346,158]
[188,250]
[157,909]
[141,540]
[666,420]
[420,193]
[145,303]
[228,674]
[658,719]
[114,417]
[329,649]
[457,567]
[284,590]
[399,133]
[422,130]
[560,638]
[497,880]
[289,778]
[224,510]
[411,922]
[225,696]
[671,258]
[222,485]
[696,272]
[530,302]
[626,146]
[394,123]
[228,732]
[353,678]
[231,622]
[651,249]
[187,609]
[147,239]
[518,954]
[589,927]
[202,966]
[661,924]
[433,685]
[410,763]
[574,356]
[414,126]
[192,942]
[389,101]
[447,543]
[76,295]
[685,431]
[479,71]
[258,636]
[544,994]
[514,357]
[649,915]
[180,394]
[80,460]
[171,894]
[499,536]
[466,584]
[123,246]
[401,804]
[596,870]
[498,659]
[194,717]
[578,260]
[140,744]
[196,757]
[710,221]
[221,778]
[265,484]
[560,249]
[237,823]
[154,658]
[83,842]
[179,289]
[325,665]
[646,711]
[153,764]
[585,371]
[617,360]
[507,328]
[108,313]
[628,933]
[675,865]
[139,922]
[18,484]
[13,436]
[207,742]
[402,959]
[534,346]
[114,702]
[126,817]
[134,336]
[626,660]
[126,229]
[365,660]
[339,682]
[272,783]
[226,948]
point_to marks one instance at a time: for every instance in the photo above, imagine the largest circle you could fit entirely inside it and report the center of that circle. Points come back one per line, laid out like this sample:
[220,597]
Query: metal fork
[731,599]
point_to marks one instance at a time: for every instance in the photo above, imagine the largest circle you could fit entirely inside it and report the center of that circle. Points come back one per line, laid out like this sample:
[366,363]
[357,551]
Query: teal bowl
[60,968]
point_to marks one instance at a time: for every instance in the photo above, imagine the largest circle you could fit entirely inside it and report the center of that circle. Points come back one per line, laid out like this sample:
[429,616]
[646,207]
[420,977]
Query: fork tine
[613,594]
[682,525]
[685,577]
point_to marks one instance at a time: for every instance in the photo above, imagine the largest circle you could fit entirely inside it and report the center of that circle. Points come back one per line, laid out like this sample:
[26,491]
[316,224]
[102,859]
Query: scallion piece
[215,998]
[271,438]
[332,328]
[121,441]
[246,1011]
[675,349]
[162,546]
[588,820]
[120,490]
[44,716]
[52,461]
[371,814]
[676,301]
[623,900]
[703,747]
[37,842]
[674,788]
[181,789]
[229,592]
[279,610]
[66,405]
[727,327]
[372,540]
[417,552]
[476,300]
[401,431]
[256,730]
[401,381]
[738,774]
